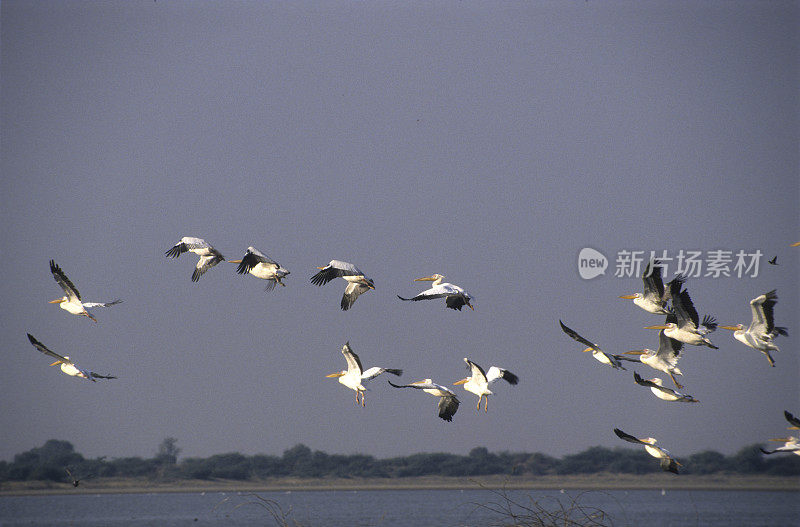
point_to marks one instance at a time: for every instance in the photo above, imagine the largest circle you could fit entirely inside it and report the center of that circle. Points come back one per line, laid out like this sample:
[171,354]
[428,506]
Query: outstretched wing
[70,291]
[627,437]
[573,334]
[187,243]
[353,362]
[351,293]
[495,373]
[41,347]
[102,304]
[335,269]
[204,264]
[448,406]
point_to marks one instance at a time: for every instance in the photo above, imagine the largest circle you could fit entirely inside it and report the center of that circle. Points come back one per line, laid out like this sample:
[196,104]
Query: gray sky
[486,141]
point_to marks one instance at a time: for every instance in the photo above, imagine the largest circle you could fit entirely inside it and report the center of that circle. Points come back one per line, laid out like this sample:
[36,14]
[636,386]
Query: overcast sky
[487,141]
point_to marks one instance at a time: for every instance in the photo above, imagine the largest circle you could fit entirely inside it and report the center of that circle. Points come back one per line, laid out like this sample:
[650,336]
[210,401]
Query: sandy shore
[584,482]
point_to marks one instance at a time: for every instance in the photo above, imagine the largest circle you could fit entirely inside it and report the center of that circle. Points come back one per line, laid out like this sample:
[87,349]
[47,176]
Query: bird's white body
[71,301]
[762,327]
[448,402]
[209,257]
[665,358]
[357,282]
[455,297]
[479,381]
[355,377]
[261,266]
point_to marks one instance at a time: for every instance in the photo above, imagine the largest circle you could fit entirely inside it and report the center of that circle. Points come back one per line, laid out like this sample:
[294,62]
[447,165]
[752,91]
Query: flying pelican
[355,377]
[261,266]
[67,366]
[478,383]
[790,444]
[454,296]
[762,328]
[666,394]
[668,463]
[606,358]
[209,257]
[665,358]
[448,402]
[71,301]
[358,282]
[685,325]
[655,297]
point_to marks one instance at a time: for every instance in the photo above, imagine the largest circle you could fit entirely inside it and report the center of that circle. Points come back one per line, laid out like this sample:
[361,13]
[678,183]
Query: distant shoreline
[550,482]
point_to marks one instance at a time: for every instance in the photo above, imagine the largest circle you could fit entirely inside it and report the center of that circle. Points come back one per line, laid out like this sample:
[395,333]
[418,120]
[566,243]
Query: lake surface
[396,508]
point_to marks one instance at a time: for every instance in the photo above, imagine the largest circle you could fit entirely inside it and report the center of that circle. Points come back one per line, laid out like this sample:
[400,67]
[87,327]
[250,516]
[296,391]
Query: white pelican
[665,358]
[478,383]
[655,297]
[358,282]
[71,301]
[762,328]
[684,325]
[790,444]
[261,266]
[209,257]
[606,358]
[454,296]
[448,402]
[668,463]
[666,394]
[67,366]
[355,377]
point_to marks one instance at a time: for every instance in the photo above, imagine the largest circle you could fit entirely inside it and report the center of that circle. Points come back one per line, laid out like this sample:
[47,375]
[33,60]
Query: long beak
[635,352]
[732,328]
[797,244]
[628,297]
[56,301]
[588,349]
[322,267]
[337,374]
[56,362]
[470,306]
[462,381]
[662,326]
[426,279]
[782,439]
[234,261]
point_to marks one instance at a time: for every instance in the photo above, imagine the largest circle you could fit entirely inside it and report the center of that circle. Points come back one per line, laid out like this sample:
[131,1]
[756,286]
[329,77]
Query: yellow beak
[462,381]
[337,374]
[588,349]
[234,261]
[426,279]
[56,362]
[656,327]
[732,328]
[634,352]
[628,297]
[56,301]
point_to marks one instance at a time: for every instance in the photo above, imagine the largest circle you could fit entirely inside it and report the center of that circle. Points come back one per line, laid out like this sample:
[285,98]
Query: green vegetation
[51,461]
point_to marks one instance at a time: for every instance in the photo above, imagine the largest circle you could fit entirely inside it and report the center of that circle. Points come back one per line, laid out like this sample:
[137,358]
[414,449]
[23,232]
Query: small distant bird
[655,296]
[455,297]
[448,402]
[209,257]
[75,482]
[71,301]
[668,463]
[666,394]
[261,266]
[774,260]
[615,361]
[665,358]
[67,366]
[762,328]
[685,325]
[358,282]
[479,382]
[355,377]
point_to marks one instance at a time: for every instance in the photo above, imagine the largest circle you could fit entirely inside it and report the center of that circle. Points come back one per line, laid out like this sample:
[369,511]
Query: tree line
[57,460]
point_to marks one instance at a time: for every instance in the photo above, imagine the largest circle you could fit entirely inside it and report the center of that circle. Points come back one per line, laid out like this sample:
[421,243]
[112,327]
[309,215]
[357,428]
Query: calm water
[390,508]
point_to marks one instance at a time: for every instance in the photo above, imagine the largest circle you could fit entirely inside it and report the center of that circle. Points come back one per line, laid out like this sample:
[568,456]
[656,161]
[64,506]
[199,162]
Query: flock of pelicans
[682,326]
